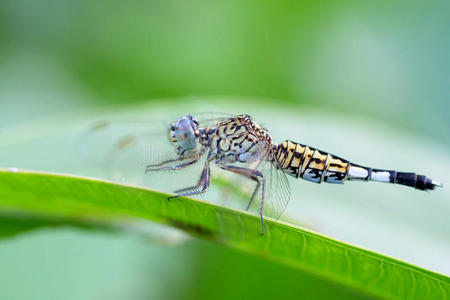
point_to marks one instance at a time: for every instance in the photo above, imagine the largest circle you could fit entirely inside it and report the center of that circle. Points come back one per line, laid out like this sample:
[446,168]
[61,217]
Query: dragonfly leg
[199,184]
[207,176]
[155,166]
[256,176]
[177,167]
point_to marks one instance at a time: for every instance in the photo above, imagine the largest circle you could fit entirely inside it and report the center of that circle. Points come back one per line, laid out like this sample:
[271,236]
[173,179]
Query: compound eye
[185,134]
[172,127]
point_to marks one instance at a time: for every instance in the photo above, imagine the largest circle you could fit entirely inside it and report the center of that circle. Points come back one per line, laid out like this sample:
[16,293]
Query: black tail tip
[420,182]
[430,185]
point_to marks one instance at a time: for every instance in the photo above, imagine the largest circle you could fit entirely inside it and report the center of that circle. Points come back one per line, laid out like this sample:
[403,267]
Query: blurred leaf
[75,198]
[12,226]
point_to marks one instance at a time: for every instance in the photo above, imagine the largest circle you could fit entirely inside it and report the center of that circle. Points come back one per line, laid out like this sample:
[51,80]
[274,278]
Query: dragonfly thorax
[239,139]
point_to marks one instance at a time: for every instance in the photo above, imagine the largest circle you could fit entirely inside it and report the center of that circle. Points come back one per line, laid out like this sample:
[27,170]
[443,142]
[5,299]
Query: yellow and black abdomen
[311,164]
[314,165]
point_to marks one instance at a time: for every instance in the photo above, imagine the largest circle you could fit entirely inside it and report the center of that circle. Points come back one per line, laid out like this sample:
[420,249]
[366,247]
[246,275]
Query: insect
[238,144]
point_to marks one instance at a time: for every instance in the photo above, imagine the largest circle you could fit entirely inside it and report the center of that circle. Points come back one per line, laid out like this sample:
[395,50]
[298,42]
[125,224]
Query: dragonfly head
[185,133]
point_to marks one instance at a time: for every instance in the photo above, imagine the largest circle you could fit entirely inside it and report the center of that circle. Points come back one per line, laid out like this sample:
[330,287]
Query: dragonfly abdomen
[311,164]
[315,165]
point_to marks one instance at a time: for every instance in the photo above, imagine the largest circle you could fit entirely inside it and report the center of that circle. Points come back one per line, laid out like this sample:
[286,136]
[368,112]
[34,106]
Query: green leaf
[76,199]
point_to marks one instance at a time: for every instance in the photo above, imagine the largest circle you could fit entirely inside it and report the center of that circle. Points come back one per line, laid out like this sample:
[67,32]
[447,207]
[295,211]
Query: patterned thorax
[237,139]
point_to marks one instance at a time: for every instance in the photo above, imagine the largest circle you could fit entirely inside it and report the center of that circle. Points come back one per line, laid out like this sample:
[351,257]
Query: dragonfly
[239,145]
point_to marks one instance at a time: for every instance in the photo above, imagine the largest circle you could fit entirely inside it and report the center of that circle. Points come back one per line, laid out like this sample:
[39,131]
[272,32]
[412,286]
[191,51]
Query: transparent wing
[105,139]
[123,149]
[211,118]
[120,150]
[277,189]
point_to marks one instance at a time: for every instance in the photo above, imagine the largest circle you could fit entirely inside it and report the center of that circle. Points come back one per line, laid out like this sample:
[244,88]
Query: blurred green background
[366,80]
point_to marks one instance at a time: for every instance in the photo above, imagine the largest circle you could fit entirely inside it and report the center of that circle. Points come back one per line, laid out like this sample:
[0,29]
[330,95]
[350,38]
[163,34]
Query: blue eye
[185,134]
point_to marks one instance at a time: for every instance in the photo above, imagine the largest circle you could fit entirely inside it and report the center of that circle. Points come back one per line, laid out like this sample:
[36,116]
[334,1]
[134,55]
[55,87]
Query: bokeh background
[368,81]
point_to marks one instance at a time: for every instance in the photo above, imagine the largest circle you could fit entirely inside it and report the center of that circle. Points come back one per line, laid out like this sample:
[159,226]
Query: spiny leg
[177,167]
[207,177]
[161,164]
[199,184]
[256,176]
